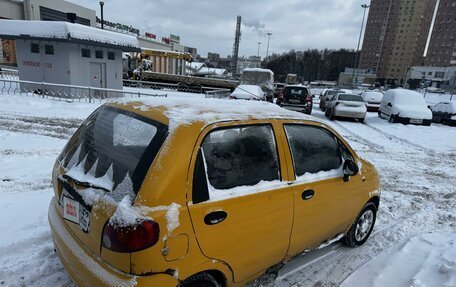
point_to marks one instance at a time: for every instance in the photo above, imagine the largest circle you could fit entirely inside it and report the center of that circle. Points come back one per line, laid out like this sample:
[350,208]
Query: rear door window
[313,149]
[239,156]
[113,149]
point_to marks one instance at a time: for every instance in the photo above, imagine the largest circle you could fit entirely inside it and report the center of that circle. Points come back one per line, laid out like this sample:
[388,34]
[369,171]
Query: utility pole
[365,7]
[102,19]
[269,38]
[259,43]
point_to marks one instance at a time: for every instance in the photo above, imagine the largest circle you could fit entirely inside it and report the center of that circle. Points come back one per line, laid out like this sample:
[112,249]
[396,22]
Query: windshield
[300,92]
[334,92]
[259,78]
[107,150]
[351,98]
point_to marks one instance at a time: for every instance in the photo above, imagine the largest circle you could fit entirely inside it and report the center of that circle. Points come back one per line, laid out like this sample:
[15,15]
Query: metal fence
[180,87]
[67,92]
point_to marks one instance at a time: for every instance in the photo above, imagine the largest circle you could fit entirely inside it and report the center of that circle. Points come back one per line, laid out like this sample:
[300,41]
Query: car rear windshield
[352,98]
[299,92]
[109,149]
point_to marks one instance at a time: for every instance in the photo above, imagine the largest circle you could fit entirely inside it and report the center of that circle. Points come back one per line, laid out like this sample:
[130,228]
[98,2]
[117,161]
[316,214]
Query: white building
[430,76]
[66,53]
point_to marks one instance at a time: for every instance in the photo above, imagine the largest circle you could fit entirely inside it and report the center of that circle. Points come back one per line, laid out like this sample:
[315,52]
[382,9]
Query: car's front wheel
[200,280]
[362,228]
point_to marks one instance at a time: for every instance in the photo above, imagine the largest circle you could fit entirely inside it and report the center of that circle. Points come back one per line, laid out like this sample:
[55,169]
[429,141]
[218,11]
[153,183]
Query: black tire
[200,280]
[392,119]
[361,120]
[359,232]
[379,114]
[331,116]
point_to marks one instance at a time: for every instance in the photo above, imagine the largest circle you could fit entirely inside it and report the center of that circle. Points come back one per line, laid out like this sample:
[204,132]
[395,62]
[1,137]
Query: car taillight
[131,238]
[337,104]
[309,99]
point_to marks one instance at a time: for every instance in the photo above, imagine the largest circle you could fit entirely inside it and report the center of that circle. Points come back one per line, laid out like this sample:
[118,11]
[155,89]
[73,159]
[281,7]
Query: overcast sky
[209,25]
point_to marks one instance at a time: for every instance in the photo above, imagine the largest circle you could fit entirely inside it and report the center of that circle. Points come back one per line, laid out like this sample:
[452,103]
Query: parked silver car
[346,106]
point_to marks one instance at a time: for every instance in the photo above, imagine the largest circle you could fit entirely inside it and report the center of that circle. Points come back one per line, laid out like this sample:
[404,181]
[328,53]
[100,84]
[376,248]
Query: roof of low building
[66,32]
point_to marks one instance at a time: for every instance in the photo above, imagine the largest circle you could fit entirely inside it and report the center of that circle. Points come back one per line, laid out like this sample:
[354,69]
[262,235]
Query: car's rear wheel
[361,120]
[331,116]
[200,280]
[392,119]
[362,228]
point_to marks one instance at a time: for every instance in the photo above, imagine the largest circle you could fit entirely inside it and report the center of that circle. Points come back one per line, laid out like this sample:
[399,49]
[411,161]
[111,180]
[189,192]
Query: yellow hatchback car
[192,192]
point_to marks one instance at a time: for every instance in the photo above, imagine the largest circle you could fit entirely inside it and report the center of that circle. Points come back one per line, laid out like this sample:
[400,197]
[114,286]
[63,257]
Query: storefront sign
[150,35]
[174,38]
[119,26]
[9,51]
[166,40]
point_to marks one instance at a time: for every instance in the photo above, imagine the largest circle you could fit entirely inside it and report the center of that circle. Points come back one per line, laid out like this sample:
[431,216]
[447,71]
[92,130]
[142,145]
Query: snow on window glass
[106,151]
[313,149]
[129,131]
[243,156]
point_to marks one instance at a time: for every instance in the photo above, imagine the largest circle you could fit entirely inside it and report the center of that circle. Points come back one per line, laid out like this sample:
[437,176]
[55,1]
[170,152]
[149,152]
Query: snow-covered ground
[413,242]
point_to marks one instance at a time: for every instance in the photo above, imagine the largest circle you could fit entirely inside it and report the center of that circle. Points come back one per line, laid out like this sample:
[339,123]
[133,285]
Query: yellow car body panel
[262,229]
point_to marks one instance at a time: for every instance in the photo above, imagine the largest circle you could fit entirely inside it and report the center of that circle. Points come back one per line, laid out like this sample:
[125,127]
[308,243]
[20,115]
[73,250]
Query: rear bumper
[86,269]
[406,121]
[306,108]
[349,114]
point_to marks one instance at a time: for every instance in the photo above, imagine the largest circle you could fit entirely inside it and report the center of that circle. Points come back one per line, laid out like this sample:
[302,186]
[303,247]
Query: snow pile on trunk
[248,92]
[424,260]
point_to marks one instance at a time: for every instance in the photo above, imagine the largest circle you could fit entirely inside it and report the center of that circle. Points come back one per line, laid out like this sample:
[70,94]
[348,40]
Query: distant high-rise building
[441,51]
[395,37]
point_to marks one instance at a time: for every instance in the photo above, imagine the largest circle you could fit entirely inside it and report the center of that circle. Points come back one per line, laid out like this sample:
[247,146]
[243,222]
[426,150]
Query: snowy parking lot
[413,242]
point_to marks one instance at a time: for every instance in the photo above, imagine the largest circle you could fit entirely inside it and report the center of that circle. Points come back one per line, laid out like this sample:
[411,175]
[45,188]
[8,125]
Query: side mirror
[350,169]
[389,105]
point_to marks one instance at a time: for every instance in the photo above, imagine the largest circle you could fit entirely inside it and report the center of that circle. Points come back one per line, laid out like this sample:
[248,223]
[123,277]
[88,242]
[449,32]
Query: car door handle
[308,194]
[215,217]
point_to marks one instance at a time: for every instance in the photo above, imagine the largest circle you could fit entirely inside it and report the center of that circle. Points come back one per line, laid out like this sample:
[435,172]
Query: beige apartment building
[395,37]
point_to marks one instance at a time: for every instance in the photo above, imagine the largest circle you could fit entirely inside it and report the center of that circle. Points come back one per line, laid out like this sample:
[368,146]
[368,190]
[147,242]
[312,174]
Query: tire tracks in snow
[52,127]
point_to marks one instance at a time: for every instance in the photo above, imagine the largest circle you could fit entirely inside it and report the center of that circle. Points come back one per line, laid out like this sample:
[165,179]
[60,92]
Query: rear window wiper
[85,183]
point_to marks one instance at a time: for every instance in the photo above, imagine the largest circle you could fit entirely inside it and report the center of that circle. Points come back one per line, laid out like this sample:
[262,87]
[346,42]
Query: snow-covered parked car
[187,192]
[248,92]
[346,106]
[445,113]
[372,100]
[406,107]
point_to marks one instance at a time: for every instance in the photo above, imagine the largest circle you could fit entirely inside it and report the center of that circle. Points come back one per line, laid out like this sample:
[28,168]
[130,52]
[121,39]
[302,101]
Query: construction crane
[237,39]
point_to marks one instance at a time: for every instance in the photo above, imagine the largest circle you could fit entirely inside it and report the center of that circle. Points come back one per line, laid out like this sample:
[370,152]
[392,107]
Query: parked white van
[406,107]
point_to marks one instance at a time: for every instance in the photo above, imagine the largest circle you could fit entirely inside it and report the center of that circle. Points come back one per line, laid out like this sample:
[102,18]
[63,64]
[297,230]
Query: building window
[99,54]
[85,53]
[49,49]
[35,48]
[439,74]
[111,56]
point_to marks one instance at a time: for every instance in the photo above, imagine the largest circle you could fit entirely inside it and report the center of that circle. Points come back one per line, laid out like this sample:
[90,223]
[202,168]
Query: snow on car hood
[413,112]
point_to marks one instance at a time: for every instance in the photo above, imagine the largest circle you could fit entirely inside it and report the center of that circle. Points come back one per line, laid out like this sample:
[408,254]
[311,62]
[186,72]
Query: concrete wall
[32,9]
[41,67]
[148,44]
[11,9]
[80,67]
[67,66]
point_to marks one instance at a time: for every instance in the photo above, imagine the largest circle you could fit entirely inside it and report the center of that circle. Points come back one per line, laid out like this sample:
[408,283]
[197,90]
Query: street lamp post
[269,38]
[101,8]
[259,43]
[365,7]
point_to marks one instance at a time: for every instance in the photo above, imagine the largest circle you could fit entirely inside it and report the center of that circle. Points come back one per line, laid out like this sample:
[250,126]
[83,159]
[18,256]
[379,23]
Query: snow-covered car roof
[64,31]
[185,111]
[445,107]
[248,92]
[405,96]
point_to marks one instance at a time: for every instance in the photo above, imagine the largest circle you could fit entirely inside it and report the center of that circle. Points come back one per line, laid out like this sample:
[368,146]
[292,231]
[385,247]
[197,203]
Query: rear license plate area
[74,211]
[416,121]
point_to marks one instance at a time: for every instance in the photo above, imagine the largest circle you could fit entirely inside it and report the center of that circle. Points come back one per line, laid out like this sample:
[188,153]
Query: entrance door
[241,212]
[97,78]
